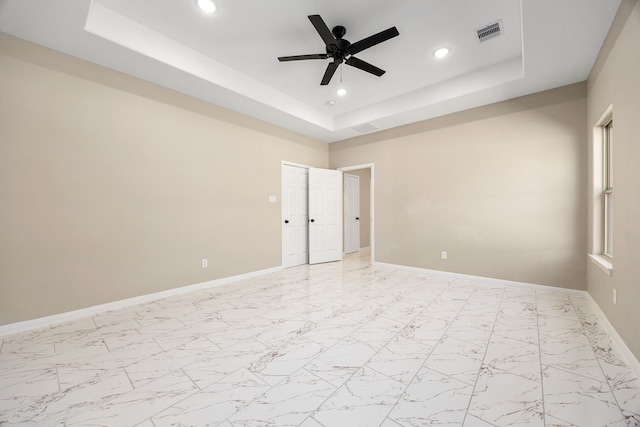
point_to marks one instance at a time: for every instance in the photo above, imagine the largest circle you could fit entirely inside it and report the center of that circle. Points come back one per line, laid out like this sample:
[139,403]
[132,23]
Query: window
[602,225]
[607,189]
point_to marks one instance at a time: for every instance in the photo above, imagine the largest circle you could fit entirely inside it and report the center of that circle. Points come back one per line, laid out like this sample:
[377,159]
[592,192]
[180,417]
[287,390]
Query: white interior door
[351,213]
[325,215]
[295,226]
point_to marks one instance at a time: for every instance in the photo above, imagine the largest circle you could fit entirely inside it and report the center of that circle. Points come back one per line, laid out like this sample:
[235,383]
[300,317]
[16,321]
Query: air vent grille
[366,128]
[490,31]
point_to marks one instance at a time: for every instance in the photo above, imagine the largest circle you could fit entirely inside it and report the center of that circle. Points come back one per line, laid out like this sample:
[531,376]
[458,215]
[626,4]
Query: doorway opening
[365,209]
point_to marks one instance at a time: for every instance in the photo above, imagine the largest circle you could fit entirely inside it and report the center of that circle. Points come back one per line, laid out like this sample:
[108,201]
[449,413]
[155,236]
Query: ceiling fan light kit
[341,50]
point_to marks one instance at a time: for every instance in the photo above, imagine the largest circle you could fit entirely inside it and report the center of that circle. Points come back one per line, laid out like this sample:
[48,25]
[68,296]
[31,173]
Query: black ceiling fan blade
[373,40]
[323,30]
[364,66]
[331,69]
[303,57]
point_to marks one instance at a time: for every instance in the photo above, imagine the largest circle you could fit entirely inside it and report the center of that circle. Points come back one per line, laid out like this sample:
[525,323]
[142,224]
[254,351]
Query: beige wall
[112,188]
[616,80]
[500,188]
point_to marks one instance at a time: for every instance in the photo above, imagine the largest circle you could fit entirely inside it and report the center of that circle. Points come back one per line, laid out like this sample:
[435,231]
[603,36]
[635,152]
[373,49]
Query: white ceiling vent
[489,31]
[366,128]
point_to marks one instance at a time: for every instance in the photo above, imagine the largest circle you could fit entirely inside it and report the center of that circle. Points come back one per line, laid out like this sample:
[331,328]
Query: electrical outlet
[443,254]
[615,297]
[205,263]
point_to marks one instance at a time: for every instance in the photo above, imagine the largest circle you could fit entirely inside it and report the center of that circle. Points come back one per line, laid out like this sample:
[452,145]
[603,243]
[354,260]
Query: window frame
[607,189]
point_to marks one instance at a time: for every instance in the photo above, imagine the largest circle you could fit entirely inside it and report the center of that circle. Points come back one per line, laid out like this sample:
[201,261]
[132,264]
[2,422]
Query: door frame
[372,206]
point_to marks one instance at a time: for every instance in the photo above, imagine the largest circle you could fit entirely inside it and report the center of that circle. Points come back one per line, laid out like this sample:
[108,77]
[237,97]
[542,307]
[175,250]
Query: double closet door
[311,215]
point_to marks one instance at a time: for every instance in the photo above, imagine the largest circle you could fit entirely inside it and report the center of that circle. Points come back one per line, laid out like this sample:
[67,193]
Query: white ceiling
[230,58]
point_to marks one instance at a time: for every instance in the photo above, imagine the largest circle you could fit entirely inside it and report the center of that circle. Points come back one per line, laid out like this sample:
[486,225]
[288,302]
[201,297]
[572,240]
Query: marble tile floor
[342,344]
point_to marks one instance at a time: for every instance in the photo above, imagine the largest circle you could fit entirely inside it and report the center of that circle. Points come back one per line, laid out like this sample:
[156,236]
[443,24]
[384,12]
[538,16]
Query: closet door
[295,216]
[325,215]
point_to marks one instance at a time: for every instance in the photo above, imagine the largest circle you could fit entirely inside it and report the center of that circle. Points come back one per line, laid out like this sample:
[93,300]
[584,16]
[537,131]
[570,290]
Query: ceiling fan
[342,50]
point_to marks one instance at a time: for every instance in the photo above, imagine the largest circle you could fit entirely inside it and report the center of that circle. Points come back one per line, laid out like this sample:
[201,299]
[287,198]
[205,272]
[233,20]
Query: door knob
[357,218]
[286,221]
[313,220]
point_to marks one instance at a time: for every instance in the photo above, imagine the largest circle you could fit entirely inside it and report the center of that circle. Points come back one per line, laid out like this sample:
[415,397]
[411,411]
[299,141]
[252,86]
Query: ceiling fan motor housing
[338,49]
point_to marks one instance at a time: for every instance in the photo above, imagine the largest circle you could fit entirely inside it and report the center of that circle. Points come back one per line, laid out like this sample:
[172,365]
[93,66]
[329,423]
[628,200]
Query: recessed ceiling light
[331,103]
[341,92]
[207,6]
[441,53]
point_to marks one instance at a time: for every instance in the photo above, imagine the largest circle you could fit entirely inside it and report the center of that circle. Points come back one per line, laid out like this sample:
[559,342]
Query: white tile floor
[340,344]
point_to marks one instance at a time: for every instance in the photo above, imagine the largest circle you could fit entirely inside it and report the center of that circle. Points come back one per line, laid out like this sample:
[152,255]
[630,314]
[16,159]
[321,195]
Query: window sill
[603,263]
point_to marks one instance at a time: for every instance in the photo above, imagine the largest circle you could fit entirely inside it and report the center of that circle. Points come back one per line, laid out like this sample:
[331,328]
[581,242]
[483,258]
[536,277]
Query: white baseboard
[627,355]
[480,279]
[48,321]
